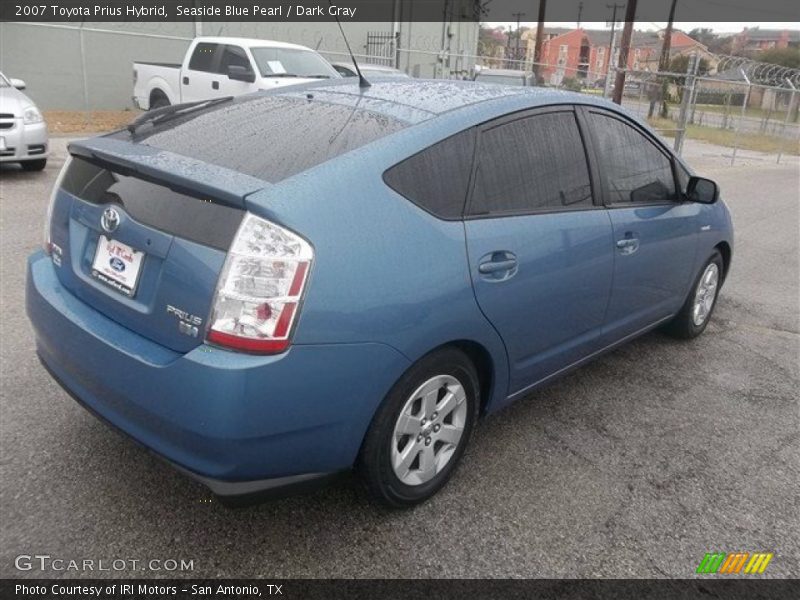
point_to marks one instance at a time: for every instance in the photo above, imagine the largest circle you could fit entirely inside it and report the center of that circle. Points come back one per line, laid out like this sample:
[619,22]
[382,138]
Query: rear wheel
[34,165]
[693,318]
[158,101]
[421,430]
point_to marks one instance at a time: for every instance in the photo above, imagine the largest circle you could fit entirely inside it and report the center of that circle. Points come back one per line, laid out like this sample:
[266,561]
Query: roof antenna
[362,82]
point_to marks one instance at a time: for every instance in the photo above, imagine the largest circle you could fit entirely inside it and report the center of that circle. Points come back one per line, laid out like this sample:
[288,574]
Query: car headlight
[31,115]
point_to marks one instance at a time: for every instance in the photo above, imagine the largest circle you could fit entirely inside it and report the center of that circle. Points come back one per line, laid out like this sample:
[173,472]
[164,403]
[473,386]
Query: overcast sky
[718,27]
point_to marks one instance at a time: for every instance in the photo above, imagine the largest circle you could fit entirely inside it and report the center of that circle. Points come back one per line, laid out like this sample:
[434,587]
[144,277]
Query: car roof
[249,42]
[418,100]
[503,72]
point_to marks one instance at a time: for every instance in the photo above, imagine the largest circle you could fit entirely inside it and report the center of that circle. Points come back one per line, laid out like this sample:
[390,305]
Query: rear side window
[270,137]
[197,219]
[203,57]
[632,167]
[437,178]
[532,164]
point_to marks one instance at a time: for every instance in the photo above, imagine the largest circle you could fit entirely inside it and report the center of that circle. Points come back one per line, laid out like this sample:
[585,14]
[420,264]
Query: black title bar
[567,11]
[406,589]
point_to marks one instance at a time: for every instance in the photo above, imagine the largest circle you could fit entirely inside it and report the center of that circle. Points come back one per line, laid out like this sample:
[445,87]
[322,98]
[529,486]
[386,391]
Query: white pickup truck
[225,66]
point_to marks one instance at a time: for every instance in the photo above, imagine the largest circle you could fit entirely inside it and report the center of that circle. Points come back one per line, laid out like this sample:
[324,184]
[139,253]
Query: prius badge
[110,220]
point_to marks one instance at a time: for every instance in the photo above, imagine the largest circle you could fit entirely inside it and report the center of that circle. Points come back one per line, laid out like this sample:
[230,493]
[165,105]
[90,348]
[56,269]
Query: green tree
[785,57]
[680,64]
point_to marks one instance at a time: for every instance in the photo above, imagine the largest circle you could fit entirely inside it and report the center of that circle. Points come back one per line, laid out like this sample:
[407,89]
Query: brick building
[754,39]
[584,53]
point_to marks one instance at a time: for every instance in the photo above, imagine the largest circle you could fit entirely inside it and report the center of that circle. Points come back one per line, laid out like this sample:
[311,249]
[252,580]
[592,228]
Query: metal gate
[381,48]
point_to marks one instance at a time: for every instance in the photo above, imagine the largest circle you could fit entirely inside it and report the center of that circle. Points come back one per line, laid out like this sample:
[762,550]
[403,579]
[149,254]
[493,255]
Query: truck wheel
[159,101]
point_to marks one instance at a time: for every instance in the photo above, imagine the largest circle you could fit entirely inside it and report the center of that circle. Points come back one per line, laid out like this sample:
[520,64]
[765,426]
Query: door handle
[495,266]
[185,81]
[628,245]
[215,85]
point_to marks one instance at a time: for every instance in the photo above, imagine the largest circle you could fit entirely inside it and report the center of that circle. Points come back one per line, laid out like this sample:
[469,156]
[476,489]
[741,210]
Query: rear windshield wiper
[159,115]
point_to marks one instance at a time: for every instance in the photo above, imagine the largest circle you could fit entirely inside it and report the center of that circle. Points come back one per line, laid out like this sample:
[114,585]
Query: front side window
[534,163]
[632,167]
[203,57]
[233,56]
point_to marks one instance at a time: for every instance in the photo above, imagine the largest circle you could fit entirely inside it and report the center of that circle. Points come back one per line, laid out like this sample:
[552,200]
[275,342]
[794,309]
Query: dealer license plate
[117,265]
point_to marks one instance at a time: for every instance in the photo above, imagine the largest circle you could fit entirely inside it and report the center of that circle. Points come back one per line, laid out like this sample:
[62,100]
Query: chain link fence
[728,110]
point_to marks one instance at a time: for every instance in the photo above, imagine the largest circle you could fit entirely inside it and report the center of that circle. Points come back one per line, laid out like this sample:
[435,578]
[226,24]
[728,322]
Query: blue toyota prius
[272,289]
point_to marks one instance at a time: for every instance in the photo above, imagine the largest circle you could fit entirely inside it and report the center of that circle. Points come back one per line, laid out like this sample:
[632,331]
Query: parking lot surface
[633,466]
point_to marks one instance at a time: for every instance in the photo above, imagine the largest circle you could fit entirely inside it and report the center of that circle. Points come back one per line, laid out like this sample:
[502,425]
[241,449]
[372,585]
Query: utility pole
[517,16]
[625,46]
[607,86]
[537,47]
[580,11]
[663,63]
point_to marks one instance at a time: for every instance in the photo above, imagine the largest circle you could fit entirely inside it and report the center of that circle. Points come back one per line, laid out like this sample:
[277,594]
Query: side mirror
[700,189]
[17,83]
[240,73]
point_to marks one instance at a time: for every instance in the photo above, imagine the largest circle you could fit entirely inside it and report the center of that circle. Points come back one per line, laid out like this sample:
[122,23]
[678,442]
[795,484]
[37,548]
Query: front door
[655,230]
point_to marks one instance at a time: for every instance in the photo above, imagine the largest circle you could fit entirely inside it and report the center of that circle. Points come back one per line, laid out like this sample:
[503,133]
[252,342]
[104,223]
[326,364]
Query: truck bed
[158,64]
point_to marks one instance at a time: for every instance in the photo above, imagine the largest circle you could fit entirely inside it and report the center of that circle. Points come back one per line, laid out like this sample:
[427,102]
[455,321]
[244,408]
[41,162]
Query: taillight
[48,217]
[260,288]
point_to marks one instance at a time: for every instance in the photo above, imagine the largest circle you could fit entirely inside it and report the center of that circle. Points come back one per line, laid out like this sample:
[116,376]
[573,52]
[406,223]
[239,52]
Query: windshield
[505,79]
[291,62]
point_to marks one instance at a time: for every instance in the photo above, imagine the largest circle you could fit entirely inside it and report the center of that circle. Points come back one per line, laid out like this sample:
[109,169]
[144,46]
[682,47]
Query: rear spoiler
[180,173]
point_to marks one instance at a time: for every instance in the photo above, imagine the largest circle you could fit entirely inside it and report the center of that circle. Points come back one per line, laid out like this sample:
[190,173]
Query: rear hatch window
[270,137]
[140,252]
[190,217]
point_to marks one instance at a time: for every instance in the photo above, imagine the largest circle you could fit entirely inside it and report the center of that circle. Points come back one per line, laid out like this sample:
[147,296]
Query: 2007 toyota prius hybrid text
[270,290]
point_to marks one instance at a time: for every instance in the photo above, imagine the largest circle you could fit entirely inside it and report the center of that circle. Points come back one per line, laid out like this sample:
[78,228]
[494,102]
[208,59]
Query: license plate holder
[117,265]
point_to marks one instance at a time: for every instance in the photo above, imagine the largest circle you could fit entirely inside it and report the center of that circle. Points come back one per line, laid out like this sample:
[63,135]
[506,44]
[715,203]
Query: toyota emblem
[110,220]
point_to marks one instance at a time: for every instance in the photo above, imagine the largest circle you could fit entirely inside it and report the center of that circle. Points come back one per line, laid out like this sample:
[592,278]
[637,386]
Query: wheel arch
[484,364]
[155,94]
[725,250]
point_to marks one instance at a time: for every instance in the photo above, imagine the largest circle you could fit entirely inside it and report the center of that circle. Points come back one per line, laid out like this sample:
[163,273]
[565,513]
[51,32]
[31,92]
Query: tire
[159,101]
[34,165]
[426,452]
[696,312]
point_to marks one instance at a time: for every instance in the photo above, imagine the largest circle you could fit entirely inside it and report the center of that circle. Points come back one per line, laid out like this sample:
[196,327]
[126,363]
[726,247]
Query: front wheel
[693,318]
[421,430]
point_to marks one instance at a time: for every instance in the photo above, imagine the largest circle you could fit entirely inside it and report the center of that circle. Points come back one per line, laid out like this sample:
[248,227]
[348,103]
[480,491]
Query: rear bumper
[237,423]
[24,142]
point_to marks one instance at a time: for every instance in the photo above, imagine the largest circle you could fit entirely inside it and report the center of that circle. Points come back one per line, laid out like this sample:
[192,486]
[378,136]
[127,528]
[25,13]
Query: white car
[367,70]
[23,132]
[215,67]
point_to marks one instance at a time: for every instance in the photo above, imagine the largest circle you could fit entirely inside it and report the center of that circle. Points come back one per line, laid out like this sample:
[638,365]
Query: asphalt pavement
[634,466]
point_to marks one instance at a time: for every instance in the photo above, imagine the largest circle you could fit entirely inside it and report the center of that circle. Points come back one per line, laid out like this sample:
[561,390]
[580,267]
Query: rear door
[655,230]
[539,245]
